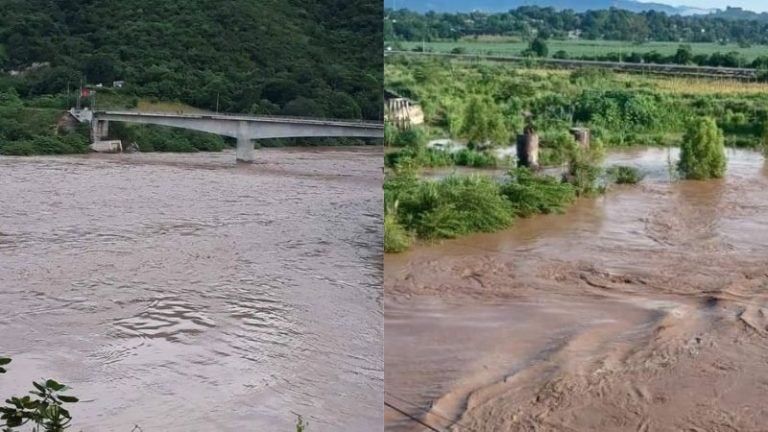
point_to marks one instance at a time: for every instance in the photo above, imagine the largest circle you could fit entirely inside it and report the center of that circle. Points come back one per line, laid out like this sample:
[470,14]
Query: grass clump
[702,154]
[456,206]
[396,237]
[529,194]
[460,205]
[622,174]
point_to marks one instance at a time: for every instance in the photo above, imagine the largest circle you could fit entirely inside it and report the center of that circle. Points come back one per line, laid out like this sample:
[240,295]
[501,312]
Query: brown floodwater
[645,309]
[190,293]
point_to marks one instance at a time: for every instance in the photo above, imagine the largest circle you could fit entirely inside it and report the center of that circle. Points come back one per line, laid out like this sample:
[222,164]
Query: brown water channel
[189,293]
[645,309]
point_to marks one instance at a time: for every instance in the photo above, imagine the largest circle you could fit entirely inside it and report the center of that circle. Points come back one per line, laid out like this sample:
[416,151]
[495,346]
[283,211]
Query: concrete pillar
[245,151]
[528,150]
[581,135]
[104,129]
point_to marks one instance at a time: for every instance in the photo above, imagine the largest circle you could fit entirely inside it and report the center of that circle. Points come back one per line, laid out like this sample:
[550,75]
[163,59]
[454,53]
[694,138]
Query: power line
[414,418]
[451,421]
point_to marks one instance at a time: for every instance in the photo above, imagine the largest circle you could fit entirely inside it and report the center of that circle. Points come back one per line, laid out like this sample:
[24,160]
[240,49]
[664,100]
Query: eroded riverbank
[639,310]
[184,292]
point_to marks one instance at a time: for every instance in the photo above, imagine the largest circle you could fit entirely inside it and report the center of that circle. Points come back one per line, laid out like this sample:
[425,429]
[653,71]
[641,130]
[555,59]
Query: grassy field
[577,48]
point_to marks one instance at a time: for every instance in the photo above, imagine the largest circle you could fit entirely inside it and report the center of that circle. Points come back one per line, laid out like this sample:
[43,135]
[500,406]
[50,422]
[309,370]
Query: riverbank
[641,309]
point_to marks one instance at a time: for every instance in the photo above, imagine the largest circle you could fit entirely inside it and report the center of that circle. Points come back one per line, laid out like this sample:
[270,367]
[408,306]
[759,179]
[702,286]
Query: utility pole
[217,102]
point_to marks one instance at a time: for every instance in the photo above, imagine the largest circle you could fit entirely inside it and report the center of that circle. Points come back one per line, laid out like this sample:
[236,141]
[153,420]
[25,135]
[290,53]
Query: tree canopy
[318,58]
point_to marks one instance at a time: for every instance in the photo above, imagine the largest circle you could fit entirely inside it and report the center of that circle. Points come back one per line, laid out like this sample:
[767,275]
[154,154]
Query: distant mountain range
[505,5]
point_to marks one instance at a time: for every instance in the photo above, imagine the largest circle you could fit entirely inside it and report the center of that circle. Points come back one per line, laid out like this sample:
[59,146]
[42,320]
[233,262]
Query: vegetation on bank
[458,205]
[413,149]
[619,109]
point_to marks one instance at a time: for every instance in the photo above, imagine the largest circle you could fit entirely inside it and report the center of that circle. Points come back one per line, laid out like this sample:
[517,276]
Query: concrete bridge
[244,128]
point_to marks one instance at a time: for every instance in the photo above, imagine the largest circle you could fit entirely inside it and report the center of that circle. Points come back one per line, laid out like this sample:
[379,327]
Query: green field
[582,47]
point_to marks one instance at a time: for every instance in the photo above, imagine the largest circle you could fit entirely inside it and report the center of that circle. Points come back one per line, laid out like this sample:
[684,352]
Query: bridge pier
[245,150]
[100,130]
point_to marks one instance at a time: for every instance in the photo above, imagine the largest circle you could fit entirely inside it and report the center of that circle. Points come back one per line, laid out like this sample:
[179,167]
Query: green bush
[411,137]
[396,237]
[530,194]
[17,148]
[622,174]
[46,145]
[702,154]
[455,206]
[584,169]
[474,158]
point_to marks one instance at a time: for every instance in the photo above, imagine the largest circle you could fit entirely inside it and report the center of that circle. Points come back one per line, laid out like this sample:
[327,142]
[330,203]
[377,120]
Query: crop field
[582,47]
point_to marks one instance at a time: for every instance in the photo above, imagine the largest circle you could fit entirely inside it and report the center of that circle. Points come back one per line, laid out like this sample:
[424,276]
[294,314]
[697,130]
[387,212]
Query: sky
[755,5]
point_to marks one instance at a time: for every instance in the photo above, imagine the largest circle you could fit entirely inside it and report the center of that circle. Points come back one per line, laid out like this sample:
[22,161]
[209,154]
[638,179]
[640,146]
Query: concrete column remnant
[528,149]
[581,135]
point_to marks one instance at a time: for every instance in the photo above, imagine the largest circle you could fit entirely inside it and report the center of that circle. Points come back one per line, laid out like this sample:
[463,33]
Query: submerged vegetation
[458,205]
[622,174]
[702,154]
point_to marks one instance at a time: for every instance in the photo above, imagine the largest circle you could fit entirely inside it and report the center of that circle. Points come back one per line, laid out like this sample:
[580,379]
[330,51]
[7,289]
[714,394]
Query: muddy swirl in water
[189,293]
[644,309]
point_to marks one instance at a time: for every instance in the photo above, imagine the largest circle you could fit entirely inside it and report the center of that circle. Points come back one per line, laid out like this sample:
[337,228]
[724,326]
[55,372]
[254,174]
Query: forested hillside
[291,57]
[608,24]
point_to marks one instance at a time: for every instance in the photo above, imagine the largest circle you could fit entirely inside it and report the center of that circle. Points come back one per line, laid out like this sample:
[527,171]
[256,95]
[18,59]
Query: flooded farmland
[642,309]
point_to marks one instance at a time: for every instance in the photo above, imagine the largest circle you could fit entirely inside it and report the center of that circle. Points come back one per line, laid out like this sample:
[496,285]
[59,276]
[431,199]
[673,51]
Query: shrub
[45,410]
[702,154]
[474,158]
[411,137]
[530,194]
[455,206]
[584,169]
[483,122]
[396,237]
[622,174]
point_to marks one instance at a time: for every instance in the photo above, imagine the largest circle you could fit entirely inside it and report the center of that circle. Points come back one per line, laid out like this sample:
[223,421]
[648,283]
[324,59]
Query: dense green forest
[608,24]
[319,58]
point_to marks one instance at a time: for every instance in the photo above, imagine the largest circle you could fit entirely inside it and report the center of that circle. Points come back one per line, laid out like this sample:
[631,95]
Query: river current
[645,309]
[190,293]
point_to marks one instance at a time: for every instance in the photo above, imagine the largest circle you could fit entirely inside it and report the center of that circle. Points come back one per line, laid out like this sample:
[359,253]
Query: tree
[538,48]
[483,122]
[702,154]
[684,55]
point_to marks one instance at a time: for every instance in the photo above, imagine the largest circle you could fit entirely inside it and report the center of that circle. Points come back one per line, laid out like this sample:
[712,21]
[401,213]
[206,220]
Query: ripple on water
[168,318]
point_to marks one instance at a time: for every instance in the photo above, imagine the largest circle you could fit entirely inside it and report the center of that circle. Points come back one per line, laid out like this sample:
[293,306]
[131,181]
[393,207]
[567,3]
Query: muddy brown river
[645,309]
[189,293]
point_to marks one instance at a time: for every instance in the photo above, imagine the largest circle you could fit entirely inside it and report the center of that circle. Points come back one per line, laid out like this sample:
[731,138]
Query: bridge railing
[199,113]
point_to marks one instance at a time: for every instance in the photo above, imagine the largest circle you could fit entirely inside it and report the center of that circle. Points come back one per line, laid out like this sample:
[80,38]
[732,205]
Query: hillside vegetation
[320,58]
[294,58]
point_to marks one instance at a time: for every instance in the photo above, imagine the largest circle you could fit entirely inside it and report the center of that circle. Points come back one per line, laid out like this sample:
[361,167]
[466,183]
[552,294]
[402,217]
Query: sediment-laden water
[645,309]
[189,293]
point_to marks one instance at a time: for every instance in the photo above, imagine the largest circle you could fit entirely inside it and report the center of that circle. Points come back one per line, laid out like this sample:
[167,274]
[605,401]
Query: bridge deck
[239,117]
